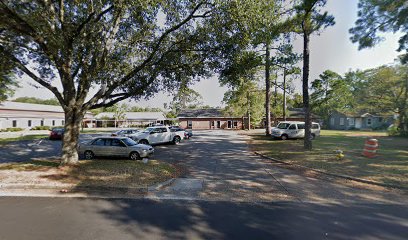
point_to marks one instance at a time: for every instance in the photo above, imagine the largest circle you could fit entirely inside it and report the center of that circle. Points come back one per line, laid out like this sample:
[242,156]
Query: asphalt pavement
[227,193]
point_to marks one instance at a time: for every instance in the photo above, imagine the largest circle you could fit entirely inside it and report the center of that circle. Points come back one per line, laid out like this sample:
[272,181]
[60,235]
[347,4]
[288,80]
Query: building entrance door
[229,124]
[218,124]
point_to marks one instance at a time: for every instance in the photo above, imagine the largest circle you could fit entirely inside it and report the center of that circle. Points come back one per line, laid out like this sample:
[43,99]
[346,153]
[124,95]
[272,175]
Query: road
[228,193]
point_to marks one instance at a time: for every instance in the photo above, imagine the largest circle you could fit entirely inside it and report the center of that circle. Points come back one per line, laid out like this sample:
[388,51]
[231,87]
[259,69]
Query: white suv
[286,130]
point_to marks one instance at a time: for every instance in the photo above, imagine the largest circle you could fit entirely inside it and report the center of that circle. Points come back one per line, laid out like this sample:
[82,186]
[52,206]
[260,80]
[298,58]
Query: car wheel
[134,156]
[284,137]
[176,140]
[144,141]
[89,155]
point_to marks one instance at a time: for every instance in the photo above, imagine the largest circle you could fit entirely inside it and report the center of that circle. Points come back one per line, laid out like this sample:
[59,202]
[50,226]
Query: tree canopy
[379,16]
[50,101]
[102,52]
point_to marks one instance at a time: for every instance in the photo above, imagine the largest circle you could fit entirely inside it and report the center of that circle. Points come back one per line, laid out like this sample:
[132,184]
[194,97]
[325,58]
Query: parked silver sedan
[115,147]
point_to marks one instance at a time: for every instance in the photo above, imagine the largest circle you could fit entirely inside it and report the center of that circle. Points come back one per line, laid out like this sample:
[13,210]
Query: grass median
[92,173]
[22,138]
[390,166]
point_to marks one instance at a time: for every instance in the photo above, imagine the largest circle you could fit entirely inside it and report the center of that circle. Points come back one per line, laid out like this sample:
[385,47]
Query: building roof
[203,113]
[134,115]
[8,105]
[299,113]
[26,110]
[364,114]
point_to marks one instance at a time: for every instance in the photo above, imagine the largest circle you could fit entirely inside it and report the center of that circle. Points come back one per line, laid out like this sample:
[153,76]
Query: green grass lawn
[22,138]
[390,166]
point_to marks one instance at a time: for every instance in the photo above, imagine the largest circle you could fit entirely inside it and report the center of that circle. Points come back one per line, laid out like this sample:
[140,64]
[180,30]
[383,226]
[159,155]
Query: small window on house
[42,123]
[350,121]
[189,124]
[212,123]
[29,123]
[14,123]
[380,119]
[369,121]
[53,122]
[63,122]
[341,121]
[331,121]
[235,124]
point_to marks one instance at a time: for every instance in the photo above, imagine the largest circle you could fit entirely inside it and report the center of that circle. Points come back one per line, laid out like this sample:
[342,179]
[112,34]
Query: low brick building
[208,119]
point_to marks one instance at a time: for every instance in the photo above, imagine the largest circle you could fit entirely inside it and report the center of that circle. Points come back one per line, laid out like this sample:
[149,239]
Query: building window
[380,119]
[235,124]
[341,121]
[53,122]
[14,123]
[212,123]
[189,124]
[29,123]
[42,123]
[332,121]
[350,121]
[369,121]
[62,122]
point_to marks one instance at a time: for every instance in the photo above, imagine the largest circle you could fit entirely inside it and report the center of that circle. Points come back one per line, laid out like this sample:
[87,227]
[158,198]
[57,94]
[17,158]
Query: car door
[292,131]
[165,135]
[117,148]
[300,130]
[154,136]
[98,147]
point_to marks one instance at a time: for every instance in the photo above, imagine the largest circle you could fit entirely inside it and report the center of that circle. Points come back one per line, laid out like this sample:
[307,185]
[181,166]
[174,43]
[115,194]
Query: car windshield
[283,125]
[129,142]
[148,130]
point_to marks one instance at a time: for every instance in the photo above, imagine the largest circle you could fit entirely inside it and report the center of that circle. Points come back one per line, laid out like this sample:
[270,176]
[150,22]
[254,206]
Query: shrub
[393,130]
[14,129]
[41,128]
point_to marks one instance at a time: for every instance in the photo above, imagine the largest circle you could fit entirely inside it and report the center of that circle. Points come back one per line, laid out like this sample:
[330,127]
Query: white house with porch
[128,119]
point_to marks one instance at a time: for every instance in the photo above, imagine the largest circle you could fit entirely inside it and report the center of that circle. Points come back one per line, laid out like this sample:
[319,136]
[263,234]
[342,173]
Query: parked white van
[286,130]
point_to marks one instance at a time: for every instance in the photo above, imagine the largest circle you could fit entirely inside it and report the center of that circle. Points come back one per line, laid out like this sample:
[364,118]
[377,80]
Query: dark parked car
[57,133]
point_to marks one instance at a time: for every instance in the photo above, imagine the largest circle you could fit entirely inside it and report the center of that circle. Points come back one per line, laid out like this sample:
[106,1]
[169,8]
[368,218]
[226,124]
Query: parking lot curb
[333,174]
[71,190]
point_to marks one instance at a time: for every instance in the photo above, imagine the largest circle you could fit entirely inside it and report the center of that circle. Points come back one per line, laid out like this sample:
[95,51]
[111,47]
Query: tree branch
[42,82]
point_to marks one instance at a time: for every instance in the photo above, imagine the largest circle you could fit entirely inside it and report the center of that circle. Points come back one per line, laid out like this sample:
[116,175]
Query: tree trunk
[403,121]
[267,92]
[284,95]
[305,87]
[249,110]
[73,120]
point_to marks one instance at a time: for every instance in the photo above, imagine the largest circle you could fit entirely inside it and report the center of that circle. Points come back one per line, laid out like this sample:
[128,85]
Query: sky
[332,50]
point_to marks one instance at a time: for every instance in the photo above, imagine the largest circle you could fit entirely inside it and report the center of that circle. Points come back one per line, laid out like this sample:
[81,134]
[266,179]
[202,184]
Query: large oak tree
[93,54]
